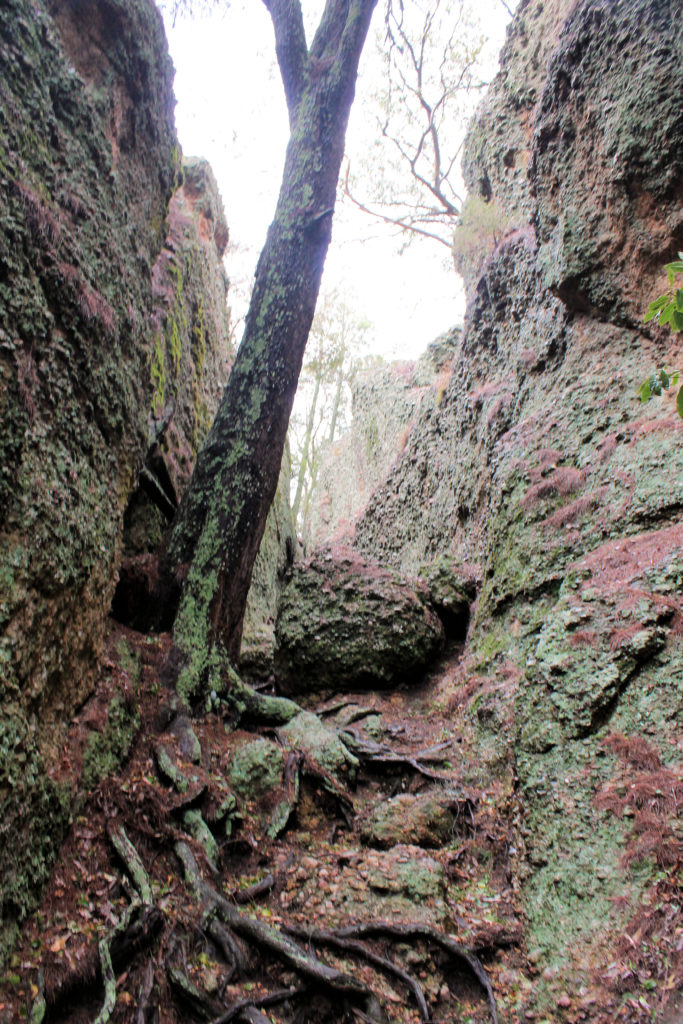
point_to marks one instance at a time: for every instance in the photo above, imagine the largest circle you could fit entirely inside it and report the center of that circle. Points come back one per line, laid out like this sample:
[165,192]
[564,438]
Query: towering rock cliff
[114,346]
[540,467]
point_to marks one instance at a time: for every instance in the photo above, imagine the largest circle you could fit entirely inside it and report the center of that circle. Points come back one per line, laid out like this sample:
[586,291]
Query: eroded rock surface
[344,622]
[88,162]
[541,469]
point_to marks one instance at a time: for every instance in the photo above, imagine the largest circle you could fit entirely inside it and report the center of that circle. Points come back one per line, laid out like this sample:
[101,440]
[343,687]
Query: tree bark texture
[221,520]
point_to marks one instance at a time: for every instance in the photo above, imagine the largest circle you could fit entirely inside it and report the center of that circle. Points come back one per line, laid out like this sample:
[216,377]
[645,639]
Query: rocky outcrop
[88,162]
[345,622]
[541,470]
[386,401]
[191,351]
[425,819]
[114,350]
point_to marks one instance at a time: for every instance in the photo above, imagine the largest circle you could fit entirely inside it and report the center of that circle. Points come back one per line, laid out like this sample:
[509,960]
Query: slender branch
[291,49]
[398,222]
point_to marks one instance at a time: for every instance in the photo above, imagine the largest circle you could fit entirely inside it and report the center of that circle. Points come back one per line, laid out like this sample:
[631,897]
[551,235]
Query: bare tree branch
[291,49]
[403,223]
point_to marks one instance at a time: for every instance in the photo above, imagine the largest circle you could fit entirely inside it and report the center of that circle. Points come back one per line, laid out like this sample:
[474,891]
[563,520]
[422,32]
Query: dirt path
[412,837]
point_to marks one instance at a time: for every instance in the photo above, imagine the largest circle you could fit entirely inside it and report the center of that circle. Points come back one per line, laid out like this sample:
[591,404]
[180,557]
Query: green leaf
[679,300]
[675,268]
[677,320]
[645,391]
[666,314]
[674,378]
[679,403]
[664,377]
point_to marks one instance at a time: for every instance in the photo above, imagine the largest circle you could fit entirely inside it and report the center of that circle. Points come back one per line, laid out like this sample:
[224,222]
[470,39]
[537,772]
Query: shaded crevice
[455,622]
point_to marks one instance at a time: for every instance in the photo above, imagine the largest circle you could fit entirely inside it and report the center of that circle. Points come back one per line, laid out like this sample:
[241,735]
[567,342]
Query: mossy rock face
[35,812]
[345,622]
[424,819]
[585,175]
[256,769]
[541,470]
[87,166]
[105,752]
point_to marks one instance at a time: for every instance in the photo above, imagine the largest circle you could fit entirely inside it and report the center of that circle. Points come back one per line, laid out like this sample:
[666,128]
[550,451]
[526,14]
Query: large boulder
[345,622]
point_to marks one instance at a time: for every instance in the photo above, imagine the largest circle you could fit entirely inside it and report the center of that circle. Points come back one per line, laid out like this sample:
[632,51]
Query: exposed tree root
[181,802]
[190,994]
[339,938]
[281,946]
[109,981]
[247,705]
[283,812]
[134,866]
[312,770]
[144,994]
[371,754]
[358,949]
[253,892]
[272,999]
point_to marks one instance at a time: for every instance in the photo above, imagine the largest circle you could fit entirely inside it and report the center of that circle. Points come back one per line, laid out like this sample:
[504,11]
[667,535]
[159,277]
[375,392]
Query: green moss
[256,769]
[174,344]
[106,752]
[158,373]
[129,660]
[35,813]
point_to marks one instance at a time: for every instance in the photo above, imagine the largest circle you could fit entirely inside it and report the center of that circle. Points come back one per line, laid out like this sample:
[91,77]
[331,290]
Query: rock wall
[114,351]
[540,467]
[88,161]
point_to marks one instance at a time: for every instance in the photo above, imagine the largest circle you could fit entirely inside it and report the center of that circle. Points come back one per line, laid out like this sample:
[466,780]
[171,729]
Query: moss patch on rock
[345,622]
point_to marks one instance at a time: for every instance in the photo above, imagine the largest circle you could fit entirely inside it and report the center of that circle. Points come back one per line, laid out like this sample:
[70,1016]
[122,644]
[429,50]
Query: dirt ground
[443,913]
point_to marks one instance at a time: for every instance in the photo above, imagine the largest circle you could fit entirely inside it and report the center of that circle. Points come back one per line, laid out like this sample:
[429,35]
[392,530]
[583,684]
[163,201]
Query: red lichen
[570,513]
[583,638]
[562,481]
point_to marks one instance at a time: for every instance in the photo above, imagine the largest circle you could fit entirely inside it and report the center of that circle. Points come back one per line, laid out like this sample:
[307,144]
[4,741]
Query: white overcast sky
[231,110]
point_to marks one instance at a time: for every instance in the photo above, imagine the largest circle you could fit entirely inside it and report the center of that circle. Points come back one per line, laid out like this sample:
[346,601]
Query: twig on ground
[272,999]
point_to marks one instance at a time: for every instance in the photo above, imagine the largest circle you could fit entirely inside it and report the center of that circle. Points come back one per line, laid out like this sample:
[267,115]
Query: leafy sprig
[666,309]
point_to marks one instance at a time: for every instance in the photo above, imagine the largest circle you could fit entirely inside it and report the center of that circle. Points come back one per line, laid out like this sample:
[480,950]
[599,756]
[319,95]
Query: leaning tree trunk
[221,520]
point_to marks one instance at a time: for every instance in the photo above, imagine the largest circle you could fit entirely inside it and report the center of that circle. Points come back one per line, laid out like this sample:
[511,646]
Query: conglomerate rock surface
[541,470]
[88,160]
[346,622]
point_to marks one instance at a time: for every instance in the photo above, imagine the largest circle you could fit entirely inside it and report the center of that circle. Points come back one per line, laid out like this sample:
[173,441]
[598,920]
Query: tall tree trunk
[221,520]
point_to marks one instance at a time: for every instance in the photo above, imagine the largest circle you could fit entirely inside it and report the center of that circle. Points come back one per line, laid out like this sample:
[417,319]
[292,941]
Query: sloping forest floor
[222,875]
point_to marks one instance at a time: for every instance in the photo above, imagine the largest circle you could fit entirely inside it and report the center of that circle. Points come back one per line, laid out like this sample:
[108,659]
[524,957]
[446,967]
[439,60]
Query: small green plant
[666,309]
[480,228]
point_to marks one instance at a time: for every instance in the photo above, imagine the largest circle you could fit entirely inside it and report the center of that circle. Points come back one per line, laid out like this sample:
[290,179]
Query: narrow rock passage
[343,865]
